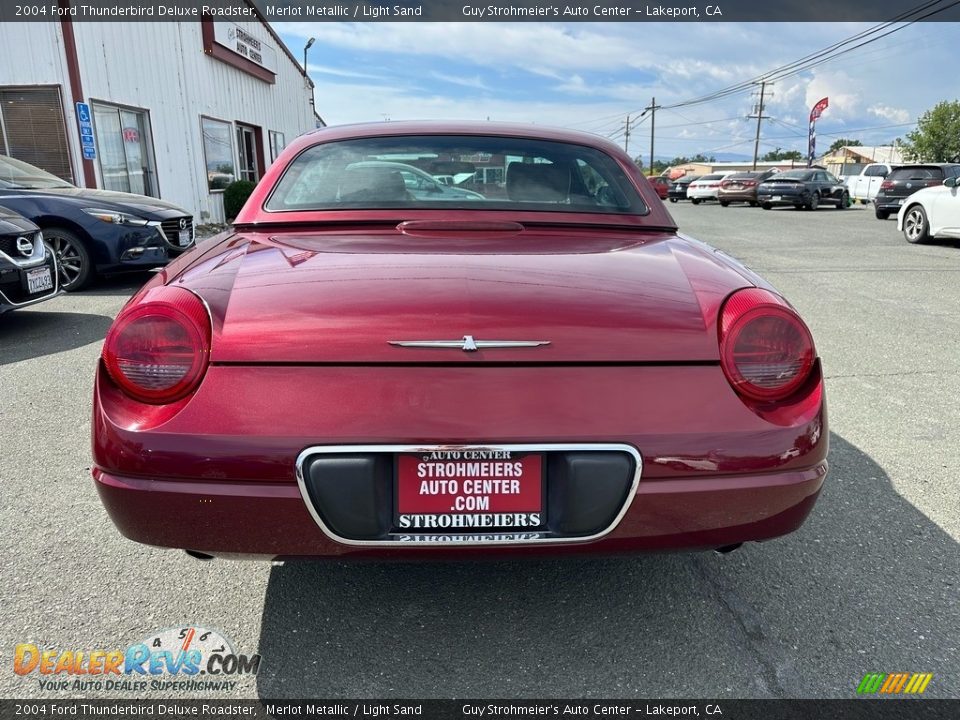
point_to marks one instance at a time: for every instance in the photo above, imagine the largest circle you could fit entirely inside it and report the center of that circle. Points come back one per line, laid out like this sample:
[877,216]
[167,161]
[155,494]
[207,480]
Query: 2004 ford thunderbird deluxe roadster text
[354,370]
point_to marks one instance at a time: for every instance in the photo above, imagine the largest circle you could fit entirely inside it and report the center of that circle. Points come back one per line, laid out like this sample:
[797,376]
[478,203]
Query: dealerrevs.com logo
[176,659]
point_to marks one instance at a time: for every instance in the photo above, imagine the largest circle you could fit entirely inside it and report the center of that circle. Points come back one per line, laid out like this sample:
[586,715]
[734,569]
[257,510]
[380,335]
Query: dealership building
[175,110]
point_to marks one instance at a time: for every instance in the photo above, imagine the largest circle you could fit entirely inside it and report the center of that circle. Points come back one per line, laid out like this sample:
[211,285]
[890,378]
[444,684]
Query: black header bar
[633,11]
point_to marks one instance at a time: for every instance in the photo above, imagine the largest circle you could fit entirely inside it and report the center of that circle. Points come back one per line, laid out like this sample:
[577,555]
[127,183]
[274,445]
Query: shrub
[235,195]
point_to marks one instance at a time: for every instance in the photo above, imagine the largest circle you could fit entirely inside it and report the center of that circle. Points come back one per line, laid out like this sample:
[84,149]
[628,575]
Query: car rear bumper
[889,204]
[219,474]
[677,514]
[737,196]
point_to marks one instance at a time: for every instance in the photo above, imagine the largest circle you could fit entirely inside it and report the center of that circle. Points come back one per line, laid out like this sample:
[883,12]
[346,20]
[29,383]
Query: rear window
[916,173]
[794,175]
[494,173]
[711,177]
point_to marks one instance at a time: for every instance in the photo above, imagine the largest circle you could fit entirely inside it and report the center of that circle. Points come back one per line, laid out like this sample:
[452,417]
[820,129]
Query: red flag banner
[818,109]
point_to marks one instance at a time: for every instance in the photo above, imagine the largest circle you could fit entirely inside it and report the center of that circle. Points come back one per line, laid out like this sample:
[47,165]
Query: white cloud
[471,82]
[892,114]
[840,88]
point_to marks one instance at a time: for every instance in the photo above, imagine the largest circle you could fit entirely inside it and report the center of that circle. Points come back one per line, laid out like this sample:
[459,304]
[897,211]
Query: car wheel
[766,206]
[814,202]
[695,201]
[753,203]
[882,214]
[673,199]
[799,207]
[73,260]
[724,203]
[916,229]
[844,202]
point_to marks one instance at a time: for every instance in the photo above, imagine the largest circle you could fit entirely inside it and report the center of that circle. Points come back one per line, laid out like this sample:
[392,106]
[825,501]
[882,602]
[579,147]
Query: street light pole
[306,75]
[305,48]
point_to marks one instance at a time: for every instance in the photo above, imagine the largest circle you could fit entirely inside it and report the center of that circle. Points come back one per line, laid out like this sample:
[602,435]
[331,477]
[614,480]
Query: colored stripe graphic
[871,683]
[894,683]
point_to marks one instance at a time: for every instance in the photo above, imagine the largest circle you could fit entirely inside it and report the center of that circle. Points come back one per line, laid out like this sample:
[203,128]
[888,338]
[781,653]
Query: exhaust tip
[727,549]
[198,555]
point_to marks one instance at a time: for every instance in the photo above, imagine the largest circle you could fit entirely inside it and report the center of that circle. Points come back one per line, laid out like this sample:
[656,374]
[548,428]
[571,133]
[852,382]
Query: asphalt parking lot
[870,584]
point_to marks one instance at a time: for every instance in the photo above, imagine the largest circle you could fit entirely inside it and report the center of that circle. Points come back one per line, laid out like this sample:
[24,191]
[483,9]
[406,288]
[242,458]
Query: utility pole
[760,117]
[653,118]
[626,135]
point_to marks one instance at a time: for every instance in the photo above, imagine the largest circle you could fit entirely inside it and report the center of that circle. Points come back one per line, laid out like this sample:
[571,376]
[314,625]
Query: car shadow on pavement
[869,584]
[29,334]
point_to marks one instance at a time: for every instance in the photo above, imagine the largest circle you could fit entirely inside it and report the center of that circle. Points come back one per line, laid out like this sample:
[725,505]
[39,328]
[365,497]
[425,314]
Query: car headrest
[538,182]
[372,184]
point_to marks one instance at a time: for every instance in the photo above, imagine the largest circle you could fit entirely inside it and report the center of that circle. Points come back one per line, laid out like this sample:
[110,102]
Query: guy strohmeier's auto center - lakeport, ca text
[373,11]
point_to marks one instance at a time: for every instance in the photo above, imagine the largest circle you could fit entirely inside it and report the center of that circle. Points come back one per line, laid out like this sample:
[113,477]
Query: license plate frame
[184,238]
[505,513]
[38,280]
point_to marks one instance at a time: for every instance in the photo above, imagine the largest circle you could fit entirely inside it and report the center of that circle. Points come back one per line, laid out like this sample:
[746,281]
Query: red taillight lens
[158,351]
[886,185]
[749,183]
[766,350]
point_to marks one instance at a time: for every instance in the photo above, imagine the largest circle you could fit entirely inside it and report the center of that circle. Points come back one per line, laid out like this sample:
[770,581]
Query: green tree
[843,142]
[937,137]
[780,154]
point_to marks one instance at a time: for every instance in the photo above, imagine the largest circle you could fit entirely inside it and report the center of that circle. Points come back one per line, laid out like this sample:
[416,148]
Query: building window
[32,129]
[277,144]
[218,153]
[125,150]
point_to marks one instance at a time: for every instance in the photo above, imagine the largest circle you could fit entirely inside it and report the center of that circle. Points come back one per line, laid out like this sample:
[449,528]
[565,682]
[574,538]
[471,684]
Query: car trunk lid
[345,296]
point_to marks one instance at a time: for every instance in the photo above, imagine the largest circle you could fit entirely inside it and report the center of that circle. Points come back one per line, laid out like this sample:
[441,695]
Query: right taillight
[157,351]
[766,350]
[886,185]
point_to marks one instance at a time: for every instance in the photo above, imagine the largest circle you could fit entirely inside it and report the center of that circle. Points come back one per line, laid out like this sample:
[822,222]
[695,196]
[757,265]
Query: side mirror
[950,182]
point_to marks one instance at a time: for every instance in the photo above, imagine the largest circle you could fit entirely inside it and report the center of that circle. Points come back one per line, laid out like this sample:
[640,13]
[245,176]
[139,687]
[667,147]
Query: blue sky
[589,76]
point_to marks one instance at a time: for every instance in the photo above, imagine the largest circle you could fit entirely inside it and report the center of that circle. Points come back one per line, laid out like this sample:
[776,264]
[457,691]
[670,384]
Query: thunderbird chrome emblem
[468,344]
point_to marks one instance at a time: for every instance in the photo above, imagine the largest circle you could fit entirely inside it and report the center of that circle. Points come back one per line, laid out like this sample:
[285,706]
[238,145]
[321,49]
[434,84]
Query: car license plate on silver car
[39,279]
[184,238]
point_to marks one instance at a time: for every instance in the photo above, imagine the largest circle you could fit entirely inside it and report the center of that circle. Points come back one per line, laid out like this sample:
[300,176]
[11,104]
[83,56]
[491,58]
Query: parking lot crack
[749,623]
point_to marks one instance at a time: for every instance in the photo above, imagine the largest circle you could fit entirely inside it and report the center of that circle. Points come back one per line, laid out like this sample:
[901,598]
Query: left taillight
[766,350]
[158,351]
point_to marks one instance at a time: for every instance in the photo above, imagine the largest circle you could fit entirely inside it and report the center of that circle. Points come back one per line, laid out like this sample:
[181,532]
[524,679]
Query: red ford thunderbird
[531,360]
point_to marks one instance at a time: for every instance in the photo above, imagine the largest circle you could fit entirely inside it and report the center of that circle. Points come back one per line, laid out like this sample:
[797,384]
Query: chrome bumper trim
[489,539]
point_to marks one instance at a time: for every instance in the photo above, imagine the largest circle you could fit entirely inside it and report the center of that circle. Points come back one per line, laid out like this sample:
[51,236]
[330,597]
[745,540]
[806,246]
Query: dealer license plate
[777,198]
[899,202]
[38,280]
[469,491]
[184,238]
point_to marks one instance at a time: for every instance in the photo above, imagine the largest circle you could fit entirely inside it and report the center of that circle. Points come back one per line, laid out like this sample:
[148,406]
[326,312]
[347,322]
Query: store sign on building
[245,44]
[86,132]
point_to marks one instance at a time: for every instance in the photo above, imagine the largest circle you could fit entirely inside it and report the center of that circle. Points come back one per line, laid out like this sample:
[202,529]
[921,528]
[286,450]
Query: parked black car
[94,231]
[904,180]
[678,190]
[803,189]
[28,269]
